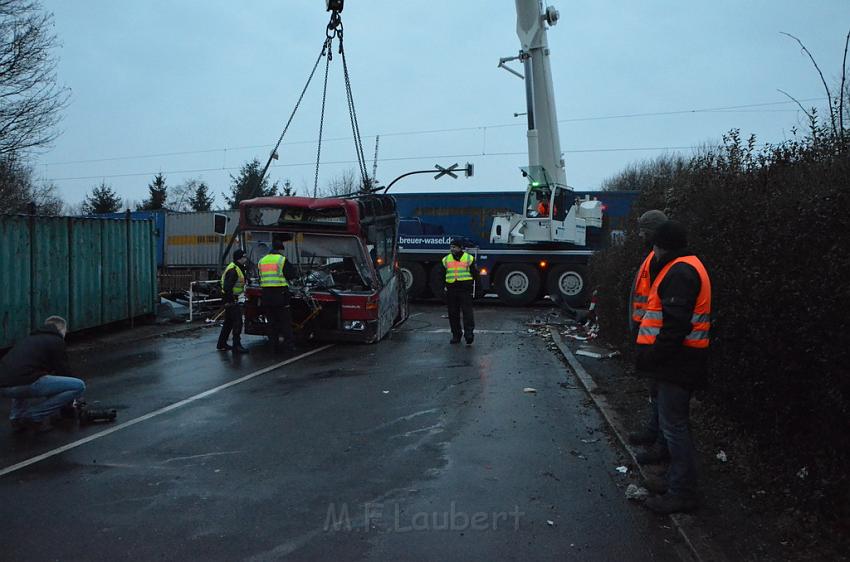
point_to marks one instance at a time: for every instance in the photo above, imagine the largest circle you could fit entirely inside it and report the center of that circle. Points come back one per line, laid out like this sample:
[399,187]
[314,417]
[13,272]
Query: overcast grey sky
[194,89]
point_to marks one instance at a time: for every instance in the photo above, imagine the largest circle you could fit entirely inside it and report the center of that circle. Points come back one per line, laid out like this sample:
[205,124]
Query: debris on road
[576,454]
[721,456]
[596,352]
[595,440]
[385,391]
[636,493]
[529,390]
[550,522]
[803,473]
[623,469]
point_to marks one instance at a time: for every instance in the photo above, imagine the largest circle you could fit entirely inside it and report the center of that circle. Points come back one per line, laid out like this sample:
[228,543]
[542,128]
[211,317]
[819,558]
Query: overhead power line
[397,159]
[747,108]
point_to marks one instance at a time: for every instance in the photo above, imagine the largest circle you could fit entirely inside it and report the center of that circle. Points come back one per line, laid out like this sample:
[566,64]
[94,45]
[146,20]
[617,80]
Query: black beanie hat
[238,254]
[671,236]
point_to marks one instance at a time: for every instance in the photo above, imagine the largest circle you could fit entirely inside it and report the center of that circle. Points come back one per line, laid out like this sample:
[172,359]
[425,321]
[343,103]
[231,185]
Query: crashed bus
[349,287]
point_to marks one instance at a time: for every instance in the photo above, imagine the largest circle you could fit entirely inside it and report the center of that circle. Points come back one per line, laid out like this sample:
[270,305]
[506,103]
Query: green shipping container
[91,271]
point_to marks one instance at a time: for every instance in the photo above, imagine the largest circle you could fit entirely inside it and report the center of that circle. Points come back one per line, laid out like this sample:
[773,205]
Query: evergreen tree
[247,185]
[101,200]
[158,194]
[200,199]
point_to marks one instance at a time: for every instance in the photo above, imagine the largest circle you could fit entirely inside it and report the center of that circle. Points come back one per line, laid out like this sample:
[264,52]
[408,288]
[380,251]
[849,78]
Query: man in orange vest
[648,223]
[672,350]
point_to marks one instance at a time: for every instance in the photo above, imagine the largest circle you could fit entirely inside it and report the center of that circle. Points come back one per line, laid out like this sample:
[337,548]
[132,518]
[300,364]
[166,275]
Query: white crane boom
[551,213]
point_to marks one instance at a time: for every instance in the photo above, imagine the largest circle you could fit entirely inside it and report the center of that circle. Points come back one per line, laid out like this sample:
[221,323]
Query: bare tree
[343,184]
[835,100]
[18,190]
[30,98]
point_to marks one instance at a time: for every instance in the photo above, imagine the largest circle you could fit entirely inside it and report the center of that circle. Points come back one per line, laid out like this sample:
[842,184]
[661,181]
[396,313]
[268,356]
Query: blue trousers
[674,404]
[653,425]
[53,392]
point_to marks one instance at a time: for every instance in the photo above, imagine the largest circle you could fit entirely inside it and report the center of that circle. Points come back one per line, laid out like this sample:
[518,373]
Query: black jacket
[667,359]
[40,353]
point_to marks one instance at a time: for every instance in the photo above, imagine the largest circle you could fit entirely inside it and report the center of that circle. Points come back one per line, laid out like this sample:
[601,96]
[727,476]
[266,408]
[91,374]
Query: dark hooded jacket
[40,353]
[667,359]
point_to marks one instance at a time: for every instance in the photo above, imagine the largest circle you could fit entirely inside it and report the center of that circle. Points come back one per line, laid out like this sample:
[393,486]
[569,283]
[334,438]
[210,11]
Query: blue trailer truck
[518,273]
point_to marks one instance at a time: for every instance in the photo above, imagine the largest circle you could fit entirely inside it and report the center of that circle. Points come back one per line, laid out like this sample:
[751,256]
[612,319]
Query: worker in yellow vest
[461,275]
[275,269]
[232,286]
[672,350]
[648,223]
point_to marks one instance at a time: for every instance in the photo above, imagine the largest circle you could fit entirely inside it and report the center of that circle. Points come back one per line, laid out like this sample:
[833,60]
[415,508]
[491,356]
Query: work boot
[224,347]
[671,503]
[69,411]
[237,348]
[40,426]
[454,340]
[642,437]
[470,339]
[655,454]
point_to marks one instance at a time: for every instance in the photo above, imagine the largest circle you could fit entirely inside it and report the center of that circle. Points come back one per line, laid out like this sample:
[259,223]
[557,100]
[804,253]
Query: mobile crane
[551,212]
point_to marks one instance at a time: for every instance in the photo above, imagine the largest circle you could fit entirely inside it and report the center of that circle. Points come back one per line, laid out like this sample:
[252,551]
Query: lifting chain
[333,31]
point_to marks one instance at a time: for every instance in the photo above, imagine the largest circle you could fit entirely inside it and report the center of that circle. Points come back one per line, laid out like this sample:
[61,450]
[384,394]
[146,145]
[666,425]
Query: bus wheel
[413,275]
[436,282]
[518,284]
[569,283]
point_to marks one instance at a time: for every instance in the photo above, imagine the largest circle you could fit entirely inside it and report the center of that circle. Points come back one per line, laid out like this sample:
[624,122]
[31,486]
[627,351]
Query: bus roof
[360,210]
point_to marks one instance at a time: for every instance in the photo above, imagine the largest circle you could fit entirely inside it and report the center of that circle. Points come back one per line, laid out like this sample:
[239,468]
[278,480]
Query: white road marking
[415,315]
[140,419]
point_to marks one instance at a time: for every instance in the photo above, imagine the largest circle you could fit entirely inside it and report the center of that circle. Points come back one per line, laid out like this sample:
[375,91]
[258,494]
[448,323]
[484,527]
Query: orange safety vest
[640,293]
[653,319]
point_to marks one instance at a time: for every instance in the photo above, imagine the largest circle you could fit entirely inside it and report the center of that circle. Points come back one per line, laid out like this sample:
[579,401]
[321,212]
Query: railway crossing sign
[450,171]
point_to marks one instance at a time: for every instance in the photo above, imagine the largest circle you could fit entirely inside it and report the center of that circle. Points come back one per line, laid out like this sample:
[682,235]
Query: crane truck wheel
[436,282]
[415,279]
[569,282]
[517,284]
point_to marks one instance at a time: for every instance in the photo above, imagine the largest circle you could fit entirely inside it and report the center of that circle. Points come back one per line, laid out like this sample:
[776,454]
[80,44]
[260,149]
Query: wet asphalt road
[410,449]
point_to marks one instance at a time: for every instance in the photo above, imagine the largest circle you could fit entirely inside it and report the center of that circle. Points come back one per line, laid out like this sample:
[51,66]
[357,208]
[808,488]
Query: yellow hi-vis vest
[240,279]
[271,271]
[458,270]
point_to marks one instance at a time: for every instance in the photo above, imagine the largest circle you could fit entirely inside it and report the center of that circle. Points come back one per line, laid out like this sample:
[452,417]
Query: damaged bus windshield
[327,262]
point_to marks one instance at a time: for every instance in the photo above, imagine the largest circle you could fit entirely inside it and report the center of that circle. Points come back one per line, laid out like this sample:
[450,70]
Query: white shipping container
[191,241]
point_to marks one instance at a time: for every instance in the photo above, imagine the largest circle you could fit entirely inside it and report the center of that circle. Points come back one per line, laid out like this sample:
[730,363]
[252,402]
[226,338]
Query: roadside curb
[696,539]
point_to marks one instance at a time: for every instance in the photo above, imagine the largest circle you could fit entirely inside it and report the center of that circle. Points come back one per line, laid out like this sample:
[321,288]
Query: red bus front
[348,286]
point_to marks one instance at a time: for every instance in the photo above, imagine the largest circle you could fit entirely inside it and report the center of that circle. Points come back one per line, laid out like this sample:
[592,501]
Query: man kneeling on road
[31,369]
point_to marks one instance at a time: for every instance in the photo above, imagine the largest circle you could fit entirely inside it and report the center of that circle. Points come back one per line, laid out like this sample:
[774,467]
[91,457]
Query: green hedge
[773,228]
